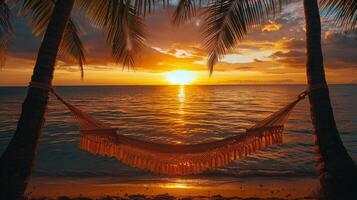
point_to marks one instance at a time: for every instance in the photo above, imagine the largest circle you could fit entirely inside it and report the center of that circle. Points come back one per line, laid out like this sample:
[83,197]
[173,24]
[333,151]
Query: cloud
[249,81]
[289,54]
[340,49]
[271,26]
[290,58]
[276,48]
[292,43]
[178,53]
[257,60]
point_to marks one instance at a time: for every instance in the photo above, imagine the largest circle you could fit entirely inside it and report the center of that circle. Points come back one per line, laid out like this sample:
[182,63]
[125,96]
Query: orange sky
[273,53]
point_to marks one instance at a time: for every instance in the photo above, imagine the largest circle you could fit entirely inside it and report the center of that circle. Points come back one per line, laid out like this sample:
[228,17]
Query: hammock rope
[177,159]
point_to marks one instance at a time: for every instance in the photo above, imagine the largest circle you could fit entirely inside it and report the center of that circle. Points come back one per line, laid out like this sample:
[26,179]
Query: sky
[273,53]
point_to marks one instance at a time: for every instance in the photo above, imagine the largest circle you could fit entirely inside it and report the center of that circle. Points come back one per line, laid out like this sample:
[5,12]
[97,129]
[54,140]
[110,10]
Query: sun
[180,77]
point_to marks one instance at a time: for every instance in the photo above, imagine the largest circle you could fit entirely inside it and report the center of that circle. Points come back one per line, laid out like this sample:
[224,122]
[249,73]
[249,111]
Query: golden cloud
[272,26]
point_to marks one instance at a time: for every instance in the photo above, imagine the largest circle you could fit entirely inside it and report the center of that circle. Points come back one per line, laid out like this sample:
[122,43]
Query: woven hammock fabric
[176,159]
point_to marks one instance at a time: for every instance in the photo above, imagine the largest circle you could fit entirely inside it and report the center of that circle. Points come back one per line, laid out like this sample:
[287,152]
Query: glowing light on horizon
[182,184]
[180,77]
[176,186]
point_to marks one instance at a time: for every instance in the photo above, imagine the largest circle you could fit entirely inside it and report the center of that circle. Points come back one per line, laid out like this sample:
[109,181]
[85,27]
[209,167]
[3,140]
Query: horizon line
[125,85]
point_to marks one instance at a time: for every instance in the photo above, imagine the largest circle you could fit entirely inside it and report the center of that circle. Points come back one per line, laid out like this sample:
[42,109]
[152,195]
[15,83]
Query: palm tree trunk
[338,172]
[17,161]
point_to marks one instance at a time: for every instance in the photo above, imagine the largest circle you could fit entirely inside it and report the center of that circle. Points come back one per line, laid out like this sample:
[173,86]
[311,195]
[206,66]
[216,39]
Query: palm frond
[227,21]
[6,30]
[133,31]
[40,12]
[184,11]
[71,45]
[343,12]
[125,27]
[140,7]
[5,19]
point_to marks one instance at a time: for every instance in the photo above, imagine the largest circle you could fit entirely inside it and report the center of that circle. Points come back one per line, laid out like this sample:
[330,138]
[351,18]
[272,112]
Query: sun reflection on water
[181,100]
[181,115]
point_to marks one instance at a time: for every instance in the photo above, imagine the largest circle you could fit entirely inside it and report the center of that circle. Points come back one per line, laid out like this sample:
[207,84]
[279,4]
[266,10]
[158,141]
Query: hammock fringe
[181,163]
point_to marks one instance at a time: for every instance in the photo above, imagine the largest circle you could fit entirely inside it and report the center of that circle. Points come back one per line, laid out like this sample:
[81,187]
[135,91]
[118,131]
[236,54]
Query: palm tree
[227,21]
[338,172]
[126,36]
[17,160]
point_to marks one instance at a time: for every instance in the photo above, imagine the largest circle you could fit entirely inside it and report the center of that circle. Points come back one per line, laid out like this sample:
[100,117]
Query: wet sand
[244,188]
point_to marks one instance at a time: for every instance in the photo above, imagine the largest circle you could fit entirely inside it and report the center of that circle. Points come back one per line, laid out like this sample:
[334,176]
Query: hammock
[177,159]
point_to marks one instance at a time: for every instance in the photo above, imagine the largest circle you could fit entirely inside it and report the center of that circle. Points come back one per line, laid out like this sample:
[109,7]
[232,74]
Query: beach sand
[242,188]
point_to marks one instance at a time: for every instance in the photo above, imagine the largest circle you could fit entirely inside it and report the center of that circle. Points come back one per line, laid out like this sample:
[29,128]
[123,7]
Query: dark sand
[110,188]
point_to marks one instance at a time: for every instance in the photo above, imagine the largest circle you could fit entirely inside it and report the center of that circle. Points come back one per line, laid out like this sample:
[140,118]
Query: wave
[168,114]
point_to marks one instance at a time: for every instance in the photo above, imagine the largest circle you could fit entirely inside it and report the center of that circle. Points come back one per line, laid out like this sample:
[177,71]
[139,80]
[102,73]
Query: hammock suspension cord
[177,159]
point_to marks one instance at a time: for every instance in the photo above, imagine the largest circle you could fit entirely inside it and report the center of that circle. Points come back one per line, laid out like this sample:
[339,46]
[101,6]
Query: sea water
[179,115]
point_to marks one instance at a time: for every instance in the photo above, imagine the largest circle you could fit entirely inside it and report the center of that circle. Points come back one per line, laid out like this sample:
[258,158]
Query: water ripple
[171,114]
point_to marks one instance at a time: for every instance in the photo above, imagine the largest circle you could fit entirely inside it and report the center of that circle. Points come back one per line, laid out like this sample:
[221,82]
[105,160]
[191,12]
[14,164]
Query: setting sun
[181,77]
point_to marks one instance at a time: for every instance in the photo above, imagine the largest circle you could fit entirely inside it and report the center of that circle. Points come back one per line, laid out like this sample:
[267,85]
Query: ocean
[179,114]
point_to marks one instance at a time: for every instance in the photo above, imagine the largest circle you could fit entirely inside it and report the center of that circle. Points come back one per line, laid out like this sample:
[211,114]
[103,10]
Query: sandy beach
[174,188]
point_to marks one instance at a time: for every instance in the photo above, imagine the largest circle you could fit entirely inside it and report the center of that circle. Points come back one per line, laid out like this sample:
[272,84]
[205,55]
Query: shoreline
[92,188]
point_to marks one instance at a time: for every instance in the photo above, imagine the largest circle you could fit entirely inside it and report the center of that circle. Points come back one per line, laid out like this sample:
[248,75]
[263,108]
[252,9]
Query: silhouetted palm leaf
[344,12]
[5,19]
[142,7]
[40,12]
[71,45]
[6,30]
[184,11]
[228,21]
[125,27]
